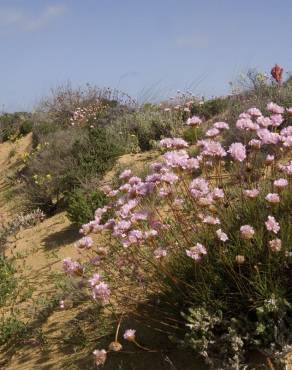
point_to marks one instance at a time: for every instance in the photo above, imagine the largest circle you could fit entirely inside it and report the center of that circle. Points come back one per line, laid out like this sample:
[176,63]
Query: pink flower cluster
[183,198]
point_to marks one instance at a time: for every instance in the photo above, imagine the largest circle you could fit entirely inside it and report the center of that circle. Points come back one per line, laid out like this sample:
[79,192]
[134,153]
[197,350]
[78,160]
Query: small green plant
[12,330]
[12,153]
[7,280]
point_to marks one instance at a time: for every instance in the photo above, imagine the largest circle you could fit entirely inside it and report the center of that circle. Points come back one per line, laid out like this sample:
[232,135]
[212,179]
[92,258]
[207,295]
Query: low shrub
[12,125]
[209,108]
[63,160]
[25,128]
[147,125]
[83,203]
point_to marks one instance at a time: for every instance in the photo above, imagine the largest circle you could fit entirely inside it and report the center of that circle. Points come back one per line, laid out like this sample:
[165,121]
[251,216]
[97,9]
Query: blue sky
[146,48]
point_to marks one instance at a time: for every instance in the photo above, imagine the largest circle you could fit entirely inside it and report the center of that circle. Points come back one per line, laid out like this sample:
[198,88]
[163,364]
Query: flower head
[247,231]
[125,174]
[237,151]
[274,108]
[221,235]
[280,183]
[212,132]
[253,193]
[160,253]
[275,245]
[221,125]
[176,143]
[196,252]
[272,224]
[100,356]
[129,335]
[273,198]
[194,121]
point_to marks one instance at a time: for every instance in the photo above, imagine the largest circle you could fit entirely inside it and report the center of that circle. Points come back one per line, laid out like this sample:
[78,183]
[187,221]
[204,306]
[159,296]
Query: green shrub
[14,124]
[148,125]
[82,205]
[210,108]
[25,127]
[95,152]
[64,160]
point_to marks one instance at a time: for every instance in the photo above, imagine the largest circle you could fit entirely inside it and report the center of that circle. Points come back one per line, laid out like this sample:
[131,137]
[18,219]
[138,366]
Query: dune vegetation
[151,236]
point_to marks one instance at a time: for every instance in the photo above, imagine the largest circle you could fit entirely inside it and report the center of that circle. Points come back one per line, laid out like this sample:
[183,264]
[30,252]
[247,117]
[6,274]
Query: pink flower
[268,137]
[150,233]
[176,143]
[221,125]
[193,164]
[125,174]
[264,121]
[247,231]
[277,119]
[194,121]
[85,242]
[169,177]
[273,198]
[253,193]
[212,148]
[286,168]
[287,141]
[100,356]
[272,224]
[287,131]
[217,193]
[178,158]
[160,253]
[94,280]
[270,158]
[254,112]
[206,201]
[212,132]
[199,187]
[254,143]
[129,335]
[274,108]
[246,124]
[221,235]
[70,267]
[101,291]
[244,115]
[134,180]
[280,183]
[210,220]
[275,245]
[196,252]
[237,151]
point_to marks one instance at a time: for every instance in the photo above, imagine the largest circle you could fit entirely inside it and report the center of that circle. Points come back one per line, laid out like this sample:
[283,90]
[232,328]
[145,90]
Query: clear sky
[146,48]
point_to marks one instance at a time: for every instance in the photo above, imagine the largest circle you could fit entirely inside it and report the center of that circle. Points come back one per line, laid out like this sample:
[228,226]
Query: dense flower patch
[211,234]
